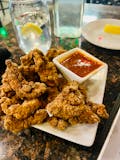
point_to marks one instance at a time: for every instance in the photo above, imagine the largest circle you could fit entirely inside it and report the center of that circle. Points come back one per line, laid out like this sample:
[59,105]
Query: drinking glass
[68,16]
[31,22]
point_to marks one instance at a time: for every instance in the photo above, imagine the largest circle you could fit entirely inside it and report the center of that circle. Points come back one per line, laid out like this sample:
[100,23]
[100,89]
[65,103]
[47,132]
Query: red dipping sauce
[80,64]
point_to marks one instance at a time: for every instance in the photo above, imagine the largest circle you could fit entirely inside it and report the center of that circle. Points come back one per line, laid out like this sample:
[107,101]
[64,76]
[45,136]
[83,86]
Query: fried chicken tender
[69,103]
[58,123]
[99,109]
[14,125]
[20,111]
[48,74]
[63,110]
[35,91]
[31,90]
[7,102]
[36,62]
[23,88]
[72,106]
[20,98]
[33,60]
[87,116]
[53,52]
[6,90]
[30,64]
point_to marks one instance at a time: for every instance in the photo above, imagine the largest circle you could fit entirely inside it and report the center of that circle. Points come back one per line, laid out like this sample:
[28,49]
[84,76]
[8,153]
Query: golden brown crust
[15,125]
[99,109]
[35,89]
[23,88]
[53,52]
[69,103]
[58,123]
[48,74]
[20,111]
[72,106]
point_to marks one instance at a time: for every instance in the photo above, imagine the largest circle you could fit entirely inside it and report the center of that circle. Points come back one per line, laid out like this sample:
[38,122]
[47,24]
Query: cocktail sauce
[80,64]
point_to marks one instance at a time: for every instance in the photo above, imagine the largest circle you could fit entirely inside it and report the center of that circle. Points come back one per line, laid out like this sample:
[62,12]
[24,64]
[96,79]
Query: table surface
[33,144]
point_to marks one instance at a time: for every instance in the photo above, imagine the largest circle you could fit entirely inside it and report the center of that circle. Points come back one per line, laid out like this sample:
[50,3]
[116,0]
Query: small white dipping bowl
[70,75]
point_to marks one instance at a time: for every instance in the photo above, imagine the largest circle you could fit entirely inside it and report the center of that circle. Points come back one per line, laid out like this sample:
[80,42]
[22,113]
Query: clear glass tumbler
[68,17]
[31,22]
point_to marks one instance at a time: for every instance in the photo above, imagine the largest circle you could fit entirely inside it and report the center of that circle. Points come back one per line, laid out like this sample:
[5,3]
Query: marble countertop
[33,144]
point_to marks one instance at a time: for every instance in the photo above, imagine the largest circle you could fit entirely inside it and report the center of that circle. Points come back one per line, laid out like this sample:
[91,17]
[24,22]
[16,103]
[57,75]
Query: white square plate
[83,134]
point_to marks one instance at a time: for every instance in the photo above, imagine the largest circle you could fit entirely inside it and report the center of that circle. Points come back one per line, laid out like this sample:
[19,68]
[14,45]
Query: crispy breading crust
[36,62]
[72,106]
[53,52]
[99,109]
[15,125]
[20,111]
[58,123]
[35,90]
[23,88]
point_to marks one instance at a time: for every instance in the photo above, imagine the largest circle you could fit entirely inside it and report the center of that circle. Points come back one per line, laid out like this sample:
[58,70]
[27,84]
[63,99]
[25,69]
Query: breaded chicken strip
[32,61]
[20,111]
[53,52]
[23,88]
[86,116]
[14,125]
[58,123]
[49,74]
[12,100]
[6,90]
[36,63]
[99,109]
[30,64]
[72,106]
[69,103]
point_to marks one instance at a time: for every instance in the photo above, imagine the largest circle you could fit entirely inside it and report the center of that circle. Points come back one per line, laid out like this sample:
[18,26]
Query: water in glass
[31,22]
[68,17]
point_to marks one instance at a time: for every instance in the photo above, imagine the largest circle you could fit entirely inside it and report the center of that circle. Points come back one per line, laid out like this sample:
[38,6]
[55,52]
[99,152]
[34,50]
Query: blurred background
[4,12]
[5,17]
